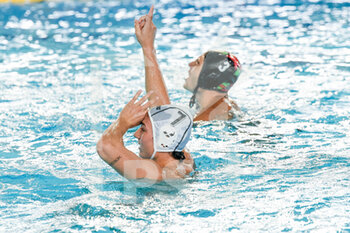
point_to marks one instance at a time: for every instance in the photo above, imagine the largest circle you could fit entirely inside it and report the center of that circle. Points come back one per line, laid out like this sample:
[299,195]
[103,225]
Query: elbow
[99,147]
[106,149]
[103,148]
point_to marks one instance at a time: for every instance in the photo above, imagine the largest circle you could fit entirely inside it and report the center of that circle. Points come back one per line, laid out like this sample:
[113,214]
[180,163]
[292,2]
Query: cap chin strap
[154,136]
[154,153]
[193,98]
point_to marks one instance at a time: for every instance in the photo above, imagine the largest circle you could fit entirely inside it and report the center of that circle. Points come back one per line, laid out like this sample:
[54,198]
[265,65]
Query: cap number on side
[177,120]
[224,66]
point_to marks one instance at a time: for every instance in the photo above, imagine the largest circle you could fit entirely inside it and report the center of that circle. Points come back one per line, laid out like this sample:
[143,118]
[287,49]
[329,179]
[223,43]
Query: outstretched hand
[145,30]
[134,111]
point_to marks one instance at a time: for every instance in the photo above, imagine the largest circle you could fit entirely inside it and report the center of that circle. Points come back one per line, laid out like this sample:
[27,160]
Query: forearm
[125,162]
[115,132]
[111,142]
[154,78]
[122,160]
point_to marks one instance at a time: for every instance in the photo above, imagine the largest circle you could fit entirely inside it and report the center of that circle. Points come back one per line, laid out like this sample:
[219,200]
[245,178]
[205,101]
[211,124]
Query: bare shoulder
[178,169]
[221,110]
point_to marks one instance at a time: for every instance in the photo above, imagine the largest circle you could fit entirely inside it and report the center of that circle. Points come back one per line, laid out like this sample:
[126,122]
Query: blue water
[67,68]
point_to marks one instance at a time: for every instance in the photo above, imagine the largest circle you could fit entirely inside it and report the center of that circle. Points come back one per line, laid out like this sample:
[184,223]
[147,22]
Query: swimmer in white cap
[163,135]
[210,76]
[164,132]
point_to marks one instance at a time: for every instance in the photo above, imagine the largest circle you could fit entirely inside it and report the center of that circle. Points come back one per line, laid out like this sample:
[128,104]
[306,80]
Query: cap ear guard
[235,60]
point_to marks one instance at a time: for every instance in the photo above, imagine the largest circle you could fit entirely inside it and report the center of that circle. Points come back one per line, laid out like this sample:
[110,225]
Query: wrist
[121,127]
[148,49]
[150,58]
[114,134]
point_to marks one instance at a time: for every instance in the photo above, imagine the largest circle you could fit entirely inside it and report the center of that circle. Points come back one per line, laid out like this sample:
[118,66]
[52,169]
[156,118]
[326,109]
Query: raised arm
[111,146]
[145,32]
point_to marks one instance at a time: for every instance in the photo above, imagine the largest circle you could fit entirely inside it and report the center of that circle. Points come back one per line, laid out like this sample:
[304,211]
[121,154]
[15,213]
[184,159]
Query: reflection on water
[67,68]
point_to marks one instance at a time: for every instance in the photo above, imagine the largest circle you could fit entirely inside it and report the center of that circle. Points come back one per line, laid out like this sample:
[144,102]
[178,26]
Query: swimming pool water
[67,68]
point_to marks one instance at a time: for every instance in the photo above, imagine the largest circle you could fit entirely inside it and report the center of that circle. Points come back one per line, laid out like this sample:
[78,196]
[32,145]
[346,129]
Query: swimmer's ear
[150,13]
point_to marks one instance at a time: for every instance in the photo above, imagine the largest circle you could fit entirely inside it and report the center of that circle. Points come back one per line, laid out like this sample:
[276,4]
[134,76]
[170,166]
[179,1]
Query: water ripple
[67,68]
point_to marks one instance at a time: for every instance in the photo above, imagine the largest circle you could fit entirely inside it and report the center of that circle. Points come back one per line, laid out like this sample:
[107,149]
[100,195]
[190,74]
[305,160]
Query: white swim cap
[171,127]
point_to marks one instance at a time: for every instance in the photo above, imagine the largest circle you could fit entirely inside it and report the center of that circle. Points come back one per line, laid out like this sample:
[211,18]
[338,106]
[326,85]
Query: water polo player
[162,137]
[210,76]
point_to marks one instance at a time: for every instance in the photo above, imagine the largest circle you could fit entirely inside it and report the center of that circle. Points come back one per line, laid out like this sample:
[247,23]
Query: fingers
[148,104]
[150,13]
[142,24]
[137,28]
[142,102]
[146,19]
[138,93]
[145,98]
[142,19]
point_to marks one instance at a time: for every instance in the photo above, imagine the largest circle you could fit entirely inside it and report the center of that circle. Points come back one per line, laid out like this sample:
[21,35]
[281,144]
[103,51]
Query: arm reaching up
[145,32]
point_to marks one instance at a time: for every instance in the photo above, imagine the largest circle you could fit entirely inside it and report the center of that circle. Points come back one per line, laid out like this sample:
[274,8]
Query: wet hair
[179,155]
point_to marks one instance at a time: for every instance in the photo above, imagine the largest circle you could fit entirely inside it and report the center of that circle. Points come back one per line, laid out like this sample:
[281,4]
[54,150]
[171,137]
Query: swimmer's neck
[163,159]
[206,98]
[169,166]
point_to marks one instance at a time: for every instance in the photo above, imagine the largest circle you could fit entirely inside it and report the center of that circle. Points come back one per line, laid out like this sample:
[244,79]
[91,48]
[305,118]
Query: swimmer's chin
[141,154]
[186,88]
